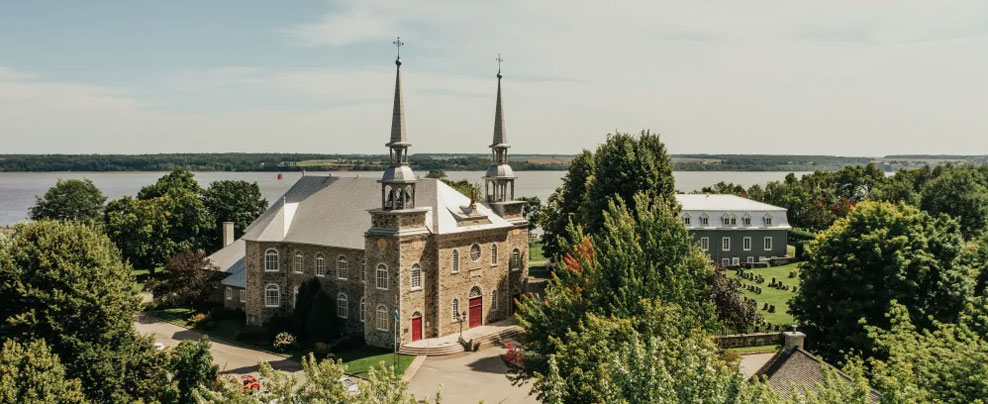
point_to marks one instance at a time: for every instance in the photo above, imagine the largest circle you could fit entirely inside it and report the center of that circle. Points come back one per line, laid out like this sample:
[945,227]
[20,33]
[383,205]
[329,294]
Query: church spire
[499,181]
[398,114]
[500,138]
[398,181]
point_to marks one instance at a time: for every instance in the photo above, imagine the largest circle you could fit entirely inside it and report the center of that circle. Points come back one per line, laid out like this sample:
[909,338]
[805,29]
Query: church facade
[404,258]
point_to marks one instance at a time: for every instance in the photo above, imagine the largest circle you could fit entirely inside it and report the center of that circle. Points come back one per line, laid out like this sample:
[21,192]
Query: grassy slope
[774,296]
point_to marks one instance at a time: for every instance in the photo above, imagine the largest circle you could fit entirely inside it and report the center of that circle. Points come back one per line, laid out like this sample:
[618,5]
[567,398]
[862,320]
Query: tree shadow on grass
[285,365]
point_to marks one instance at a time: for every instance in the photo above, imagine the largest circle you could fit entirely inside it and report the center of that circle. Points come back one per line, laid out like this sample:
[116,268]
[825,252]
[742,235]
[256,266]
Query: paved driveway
[232,359]
[469,378]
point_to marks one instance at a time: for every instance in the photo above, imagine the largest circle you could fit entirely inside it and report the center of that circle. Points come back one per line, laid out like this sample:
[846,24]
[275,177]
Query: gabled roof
[794,370]
[722,203]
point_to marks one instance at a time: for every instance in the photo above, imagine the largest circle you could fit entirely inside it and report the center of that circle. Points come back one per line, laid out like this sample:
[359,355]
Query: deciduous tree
[879,253]
[189,280]
[31,373]
[234,201]
[78,200]
[192,368]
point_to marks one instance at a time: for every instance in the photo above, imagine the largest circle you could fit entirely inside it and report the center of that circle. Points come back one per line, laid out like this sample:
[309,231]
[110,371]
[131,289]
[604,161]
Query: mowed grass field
[779,298]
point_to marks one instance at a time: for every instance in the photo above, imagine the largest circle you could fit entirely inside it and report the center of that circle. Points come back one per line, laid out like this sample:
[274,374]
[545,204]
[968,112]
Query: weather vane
[398,43]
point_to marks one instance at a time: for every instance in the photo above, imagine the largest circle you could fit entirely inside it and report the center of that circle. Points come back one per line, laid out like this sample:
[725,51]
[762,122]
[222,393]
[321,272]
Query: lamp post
[459,319]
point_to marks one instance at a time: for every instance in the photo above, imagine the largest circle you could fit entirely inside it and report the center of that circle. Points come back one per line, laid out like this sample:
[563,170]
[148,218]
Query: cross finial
[398,43]
[499,59]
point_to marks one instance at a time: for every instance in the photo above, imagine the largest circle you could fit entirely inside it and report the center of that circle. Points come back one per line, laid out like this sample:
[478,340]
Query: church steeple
[500,179]
[398,181]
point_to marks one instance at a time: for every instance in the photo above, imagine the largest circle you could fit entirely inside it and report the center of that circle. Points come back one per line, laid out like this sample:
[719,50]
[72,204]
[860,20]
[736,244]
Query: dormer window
[686,220]
[704,220]
[746,220]
[768,220]
[729,220]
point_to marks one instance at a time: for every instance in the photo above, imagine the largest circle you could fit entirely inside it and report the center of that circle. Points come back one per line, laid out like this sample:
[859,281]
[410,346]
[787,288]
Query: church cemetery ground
[771,295]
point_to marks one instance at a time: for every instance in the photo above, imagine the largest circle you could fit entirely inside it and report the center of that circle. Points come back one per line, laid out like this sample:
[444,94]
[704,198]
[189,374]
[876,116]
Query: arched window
[416,277]
[272,296]
[320,265]
[475,252]
[342,306]
[456,261]
[363,309]
[381,321]
[475,292]
[297,262]
[382,277]
[342,268]
[271,260]
[493,253]
[456,309]
[515,260]
[494,300]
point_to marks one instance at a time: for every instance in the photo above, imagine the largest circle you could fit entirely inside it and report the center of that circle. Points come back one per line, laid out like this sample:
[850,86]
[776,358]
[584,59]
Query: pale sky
[846,77]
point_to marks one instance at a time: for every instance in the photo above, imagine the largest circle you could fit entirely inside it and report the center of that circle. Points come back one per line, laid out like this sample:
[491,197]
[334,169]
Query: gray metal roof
[715,207]
[238,275]
[401,173]
[499,171]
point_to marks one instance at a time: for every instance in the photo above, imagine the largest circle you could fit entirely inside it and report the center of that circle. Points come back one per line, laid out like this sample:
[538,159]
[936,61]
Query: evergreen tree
[77,200]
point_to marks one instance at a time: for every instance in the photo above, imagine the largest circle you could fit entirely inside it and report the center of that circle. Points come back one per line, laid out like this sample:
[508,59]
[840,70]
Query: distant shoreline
[288,162]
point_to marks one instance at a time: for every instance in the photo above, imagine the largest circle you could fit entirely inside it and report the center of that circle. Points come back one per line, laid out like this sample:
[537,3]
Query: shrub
[196,319]
[284,341]
[251,334]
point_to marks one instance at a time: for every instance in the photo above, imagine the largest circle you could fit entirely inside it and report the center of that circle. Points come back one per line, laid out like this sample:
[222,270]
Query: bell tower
[499,181]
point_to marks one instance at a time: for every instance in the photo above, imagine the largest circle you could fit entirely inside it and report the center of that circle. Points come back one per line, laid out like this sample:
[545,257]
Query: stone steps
[448,349]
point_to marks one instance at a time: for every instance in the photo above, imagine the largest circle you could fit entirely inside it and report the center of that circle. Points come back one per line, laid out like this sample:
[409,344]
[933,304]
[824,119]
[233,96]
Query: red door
[476,311]
[416,328]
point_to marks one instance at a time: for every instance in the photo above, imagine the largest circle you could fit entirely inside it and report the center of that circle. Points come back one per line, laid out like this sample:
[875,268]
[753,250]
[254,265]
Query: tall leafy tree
[879,253]
[190,279]
[565,205]
[234,201]
[31,373]
[140,228]
[78,200]
[961,193]
[534,212]
[177,179]
[192,368]
[66,284]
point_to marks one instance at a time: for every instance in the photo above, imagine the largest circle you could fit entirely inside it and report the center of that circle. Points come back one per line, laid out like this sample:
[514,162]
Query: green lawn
[777,297]
[751,350]
[359,359]
[177,316]
[535,251]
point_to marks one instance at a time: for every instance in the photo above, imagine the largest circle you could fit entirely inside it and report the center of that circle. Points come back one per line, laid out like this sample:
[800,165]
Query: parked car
[249,384]
[350,385]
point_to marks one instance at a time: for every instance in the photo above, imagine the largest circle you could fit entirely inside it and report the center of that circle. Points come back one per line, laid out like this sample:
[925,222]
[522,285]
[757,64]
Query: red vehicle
[249,384]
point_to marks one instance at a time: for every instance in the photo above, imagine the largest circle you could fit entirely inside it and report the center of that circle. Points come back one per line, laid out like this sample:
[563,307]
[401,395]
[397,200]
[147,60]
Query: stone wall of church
[381,250]
[334,282]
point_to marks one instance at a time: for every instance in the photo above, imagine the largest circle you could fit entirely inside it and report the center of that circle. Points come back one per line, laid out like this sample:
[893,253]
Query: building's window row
[342,268]
[297,267]
[320,265]
[727,220]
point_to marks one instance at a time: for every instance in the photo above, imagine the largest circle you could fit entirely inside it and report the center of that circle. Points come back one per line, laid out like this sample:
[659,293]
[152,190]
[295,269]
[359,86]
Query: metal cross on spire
[398,43]
[499,59]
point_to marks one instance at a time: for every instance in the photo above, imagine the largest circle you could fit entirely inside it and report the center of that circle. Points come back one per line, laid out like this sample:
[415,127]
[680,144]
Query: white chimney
[227,233]
[793,339]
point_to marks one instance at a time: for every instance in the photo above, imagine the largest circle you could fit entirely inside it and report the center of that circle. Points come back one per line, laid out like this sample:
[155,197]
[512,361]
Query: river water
[18,190]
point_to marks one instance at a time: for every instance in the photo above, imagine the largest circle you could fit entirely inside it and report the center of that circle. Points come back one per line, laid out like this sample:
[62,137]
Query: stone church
[405,258]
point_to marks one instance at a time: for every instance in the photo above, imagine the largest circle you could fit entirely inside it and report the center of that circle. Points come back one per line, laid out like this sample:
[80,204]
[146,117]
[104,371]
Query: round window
[475,252]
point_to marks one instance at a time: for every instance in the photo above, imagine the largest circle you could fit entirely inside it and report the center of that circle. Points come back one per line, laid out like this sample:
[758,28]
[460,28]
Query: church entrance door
[476,311]
[416,327]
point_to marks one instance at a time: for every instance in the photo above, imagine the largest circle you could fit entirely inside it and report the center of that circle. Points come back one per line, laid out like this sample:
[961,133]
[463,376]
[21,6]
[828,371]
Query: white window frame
[767,219]
[704,220]
[277,295]
[480,252]
[381,321]
[746,220]
[363,309]
[767,243]
[494,300]
[381,282]
[705,243]
[342,305]
[298,260]
[725,262]
[751,259]
[686,220]
[342,267]
[320,265]
[228,293]
[294,296]
[415,277]
[241,295]
[725,244]
[746,244]
[455,261]
[268,255]
[515,261]
[736,261]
